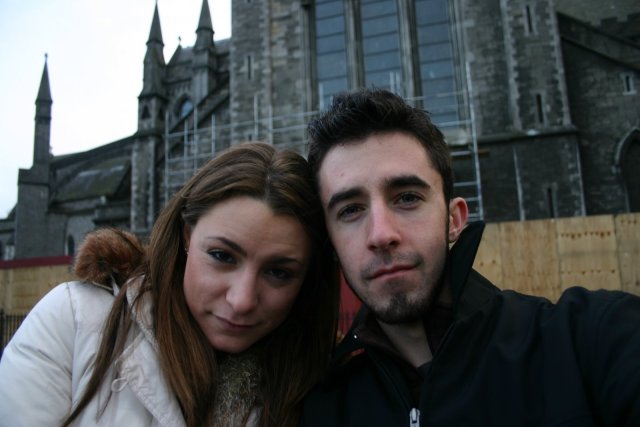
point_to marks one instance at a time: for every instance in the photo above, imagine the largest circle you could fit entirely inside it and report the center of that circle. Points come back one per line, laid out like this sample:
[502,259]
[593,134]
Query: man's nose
[383,230]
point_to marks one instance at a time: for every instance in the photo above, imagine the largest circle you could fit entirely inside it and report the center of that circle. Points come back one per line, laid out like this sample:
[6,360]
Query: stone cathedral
[538,100]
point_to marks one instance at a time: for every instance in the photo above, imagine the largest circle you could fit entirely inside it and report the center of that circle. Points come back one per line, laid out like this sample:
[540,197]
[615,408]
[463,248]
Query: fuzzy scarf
[238,396]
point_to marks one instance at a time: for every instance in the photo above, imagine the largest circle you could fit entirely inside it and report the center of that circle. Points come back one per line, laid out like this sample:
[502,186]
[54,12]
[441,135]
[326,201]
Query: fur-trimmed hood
[108,255]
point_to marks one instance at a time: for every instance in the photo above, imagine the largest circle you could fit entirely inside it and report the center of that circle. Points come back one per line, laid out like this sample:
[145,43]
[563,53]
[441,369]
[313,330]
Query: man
[436,344]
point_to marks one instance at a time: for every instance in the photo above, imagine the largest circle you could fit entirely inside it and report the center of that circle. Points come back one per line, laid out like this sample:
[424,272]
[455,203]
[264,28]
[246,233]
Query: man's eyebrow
[343,195]
[406,181]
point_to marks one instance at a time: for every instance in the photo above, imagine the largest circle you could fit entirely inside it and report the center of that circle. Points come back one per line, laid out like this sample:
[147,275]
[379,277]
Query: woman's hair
[296,353]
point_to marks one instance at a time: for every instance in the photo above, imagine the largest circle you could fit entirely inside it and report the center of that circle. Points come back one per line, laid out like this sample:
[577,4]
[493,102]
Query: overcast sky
[95,55]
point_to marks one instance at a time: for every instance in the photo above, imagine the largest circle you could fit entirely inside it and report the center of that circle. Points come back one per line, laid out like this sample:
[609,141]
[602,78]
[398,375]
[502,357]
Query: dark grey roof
[102,179]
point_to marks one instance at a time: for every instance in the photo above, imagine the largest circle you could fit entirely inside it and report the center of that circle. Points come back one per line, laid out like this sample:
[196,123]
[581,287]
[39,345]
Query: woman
[229,320]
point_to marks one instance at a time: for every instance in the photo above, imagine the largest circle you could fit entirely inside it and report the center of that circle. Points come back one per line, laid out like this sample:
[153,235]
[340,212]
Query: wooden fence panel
[530,258]
[488,261]
[628,237]
[588,252]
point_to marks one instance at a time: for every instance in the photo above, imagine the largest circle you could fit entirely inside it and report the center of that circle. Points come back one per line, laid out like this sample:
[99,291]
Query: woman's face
[245,267]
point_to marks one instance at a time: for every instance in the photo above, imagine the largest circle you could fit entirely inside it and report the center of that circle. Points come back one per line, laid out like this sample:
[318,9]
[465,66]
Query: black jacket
[506,360]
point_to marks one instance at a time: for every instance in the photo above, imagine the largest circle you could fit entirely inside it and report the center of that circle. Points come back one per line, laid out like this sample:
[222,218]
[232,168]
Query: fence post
[2,322]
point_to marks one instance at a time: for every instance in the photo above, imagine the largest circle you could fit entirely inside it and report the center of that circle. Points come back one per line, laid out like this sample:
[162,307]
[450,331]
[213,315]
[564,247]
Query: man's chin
[399,310]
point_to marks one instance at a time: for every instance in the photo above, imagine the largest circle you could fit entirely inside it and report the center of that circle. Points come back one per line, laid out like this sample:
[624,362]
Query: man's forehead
[376,160]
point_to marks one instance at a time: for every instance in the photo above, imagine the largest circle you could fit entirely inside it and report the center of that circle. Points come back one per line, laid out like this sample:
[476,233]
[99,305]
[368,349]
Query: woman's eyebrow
[233,245]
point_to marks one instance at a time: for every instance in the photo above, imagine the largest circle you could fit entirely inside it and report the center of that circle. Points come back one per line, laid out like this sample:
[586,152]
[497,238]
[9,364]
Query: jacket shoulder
[38,364]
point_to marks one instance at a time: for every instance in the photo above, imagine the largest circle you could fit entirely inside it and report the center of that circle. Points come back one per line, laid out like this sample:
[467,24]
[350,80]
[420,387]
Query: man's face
[388,221]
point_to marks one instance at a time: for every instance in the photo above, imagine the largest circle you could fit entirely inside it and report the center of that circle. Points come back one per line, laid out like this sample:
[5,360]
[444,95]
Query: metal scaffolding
[185,151]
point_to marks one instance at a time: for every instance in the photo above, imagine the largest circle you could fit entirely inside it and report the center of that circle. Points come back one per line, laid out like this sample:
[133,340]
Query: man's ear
[458,215]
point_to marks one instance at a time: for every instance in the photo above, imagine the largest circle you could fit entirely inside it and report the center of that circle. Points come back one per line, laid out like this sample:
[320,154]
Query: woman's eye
[222,256]
[279,273]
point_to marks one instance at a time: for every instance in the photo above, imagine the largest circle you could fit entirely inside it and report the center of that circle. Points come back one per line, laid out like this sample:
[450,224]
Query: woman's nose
[242,294]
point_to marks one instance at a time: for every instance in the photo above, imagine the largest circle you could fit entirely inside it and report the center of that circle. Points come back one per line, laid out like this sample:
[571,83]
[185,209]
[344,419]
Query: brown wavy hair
[296,353]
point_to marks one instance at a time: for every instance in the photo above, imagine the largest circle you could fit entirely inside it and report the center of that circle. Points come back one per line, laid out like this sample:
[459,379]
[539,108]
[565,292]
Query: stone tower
[151,117]
[270,70]
[32,235]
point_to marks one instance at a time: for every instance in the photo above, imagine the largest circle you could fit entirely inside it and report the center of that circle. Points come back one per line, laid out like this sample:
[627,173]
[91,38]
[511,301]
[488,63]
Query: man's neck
[410,339]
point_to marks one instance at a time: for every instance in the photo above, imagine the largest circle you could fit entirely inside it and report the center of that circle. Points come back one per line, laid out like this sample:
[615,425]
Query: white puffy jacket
[46,366]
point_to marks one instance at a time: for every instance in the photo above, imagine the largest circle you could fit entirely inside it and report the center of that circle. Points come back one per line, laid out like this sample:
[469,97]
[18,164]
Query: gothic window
[529,22]
[331,50]
[629,158]
[539,101]
[551,195]
[381,44]
[359,42]
[71,245]
[145,113]
[629,84]
[437,70]
[185,108]
[249,67]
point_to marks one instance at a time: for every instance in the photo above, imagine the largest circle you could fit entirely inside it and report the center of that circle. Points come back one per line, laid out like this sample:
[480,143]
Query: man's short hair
[354,116]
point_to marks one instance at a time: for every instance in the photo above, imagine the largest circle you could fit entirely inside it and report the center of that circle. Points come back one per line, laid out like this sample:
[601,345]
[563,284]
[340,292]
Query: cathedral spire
[44,92]
[154,59]
[152,97]
[155,35]
[41,137]
[204,33]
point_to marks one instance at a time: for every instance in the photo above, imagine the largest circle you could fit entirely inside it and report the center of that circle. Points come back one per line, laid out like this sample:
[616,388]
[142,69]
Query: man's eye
[222,256]
[348,212]
[408,198]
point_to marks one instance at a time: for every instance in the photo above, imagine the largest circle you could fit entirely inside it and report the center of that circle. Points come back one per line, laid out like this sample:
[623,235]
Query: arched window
[627,160]
[71,245]
[630,174]
[185,108]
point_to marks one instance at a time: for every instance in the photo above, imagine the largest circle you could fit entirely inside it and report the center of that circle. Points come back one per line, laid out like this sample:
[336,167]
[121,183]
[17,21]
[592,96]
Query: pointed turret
[204,33]
[154,59]
[204,57]
[41,137]
[155,35]
[44,92]
[152,97]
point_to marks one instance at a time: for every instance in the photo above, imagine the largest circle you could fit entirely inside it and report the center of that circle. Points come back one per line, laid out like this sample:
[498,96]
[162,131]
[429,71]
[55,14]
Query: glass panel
[436,51]
[383,61]
[378,8]
[382,43]
[433,33]
[332,65]
[431,11]
[383,25]
[436,69]
[330,43]
[327,26]
[330,8]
